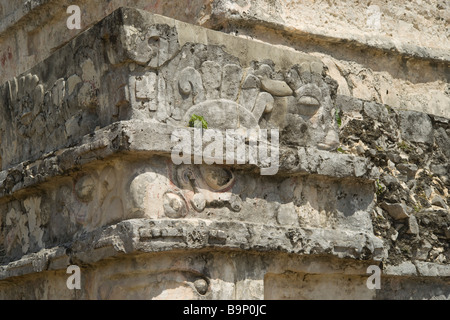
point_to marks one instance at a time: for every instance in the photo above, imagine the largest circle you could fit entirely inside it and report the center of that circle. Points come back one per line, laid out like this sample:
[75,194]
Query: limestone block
[416,127]
[397,211]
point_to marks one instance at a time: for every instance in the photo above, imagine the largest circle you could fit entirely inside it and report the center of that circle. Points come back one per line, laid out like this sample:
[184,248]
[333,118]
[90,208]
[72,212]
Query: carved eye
[154,40]
[184,176]
[308,105]
[174,205]
[217,178]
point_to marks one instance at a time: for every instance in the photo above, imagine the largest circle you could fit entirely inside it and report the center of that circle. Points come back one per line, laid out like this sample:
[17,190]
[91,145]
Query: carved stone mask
[306,117]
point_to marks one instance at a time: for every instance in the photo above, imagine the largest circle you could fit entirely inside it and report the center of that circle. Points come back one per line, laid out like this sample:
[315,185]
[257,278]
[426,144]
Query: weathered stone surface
[397,211]
[276,88]
[87,135]
[97,197]
[71,198]
[413,227]
[141,235]
[403,269]
[409,73]
[432,270]
[149,91]
[416,127]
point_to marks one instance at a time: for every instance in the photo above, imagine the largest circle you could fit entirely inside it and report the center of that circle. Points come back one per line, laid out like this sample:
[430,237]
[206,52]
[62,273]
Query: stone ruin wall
[359,91]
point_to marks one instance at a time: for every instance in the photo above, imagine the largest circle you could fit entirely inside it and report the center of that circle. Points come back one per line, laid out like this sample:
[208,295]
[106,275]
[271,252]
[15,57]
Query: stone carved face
[184,189]
[203,79]
[206,185]
[153,47]
[297,101]
[306,117]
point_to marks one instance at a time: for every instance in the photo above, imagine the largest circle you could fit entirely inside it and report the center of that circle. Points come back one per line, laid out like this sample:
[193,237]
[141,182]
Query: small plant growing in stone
[404,146]
[338,117]
[198,122]
[417,208]
[380,188]
[389,108]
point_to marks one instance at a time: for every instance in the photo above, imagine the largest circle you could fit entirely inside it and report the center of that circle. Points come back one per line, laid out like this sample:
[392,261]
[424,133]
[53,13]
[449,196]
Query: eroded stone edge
[135,136]
[162,235]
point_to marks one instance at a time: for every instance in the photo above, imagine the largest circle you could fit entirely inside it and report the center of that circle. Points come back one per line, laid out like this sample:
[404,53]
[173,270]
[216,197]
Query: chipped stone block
[438,201]
[423,250]
[397,211]
[413,227]
[429,269]
[276,88]
[406,268]
[416,127]
[376,111]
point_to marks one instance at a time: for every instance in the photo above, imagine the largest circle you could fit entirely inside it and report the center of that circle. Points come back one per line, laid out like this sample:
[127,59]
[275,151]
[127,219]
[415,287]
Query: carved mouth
[309,101]
[308,105]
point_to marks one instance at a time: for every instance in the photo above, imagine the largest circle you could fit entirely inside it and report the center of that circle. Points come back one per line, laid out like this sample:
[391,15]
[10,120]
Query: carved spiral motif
[174,205]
